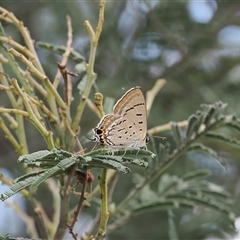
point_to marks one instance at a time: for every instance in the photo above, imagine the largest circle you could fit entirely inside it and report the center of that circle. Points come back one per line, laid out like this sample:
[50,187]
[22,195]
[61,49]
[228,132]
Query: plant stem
[32,117]
[104,204]
[10,17]
[91,75]
[79,207]
[64,204]
[18,148]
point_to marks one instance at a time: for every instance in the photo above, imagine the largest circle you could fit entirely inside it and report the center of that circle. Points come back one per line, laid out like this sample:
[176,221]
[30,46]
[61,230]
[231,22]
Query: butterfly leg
[95,146]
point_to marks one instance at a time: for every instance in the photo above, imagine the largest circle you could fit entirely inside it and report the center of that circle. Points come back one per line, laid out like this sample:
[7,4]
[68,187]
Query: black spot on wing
[131,108]
[121,129]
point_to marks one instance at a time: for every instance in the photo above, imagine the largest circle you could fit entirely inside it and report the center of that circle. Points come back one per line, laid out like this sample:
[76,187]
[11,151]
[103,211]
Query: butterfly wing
[127,127]
[102,129]
[132,107]
[124,134]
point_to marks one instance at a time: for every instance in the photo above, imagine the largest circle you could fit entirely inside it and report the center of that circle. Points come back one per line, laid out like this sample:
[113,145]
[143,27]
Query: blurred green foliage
[141,42]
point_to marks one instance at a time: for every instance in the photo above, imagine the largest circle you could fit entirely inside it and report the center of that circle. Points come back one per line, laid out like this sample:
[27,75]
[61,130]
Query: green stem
[21,145]
[51,90]
[25,34]
[64,205]
[32,117]
[11,138]
[91,75]
[52,94]
[104,204]
[14,66]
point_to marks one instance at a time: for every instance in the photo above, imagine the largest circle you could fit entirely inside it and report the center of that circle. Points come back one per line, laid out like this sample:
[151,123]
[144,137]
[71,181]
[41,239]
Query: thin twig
[64,204]
[91,75]
[45,110]
[12,121]
[66,53]
[20,130]
[54,190]
[40,221]
[11,138]
[166,127]
[119,222]
[70,131]
[41,76]
[9,41]
[40,104]
[10,17]
[33,82]
[96,190]
[79,207]
[15,111]
[32,117]
[29,222]
[67,82]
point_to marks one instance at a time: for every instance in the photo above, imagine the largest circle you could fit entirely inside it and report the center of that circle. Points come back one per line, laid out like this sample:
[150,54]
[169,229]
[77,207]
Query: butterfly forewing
[132,107]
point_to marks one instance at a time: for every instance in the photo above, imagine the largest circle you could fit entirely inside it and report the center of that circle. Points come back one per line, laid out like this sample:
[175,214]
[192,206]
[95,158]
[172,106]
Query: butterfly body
[127,126]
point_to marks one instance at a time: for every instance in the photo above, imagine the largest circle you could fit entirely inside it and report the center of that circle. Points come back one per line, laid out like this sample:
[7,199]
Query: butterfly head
[99,136]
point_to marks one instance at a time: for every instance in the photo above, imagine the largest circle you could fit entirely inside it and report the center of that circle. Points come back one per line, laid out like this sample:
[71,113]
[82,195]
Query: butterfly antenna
[93,140]
[162,138]
[95,146]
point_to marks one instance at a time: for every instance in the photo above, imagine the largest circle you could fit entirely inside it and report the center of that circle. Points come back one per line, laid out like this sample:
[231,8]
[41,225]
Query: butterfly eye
[98,131]
[147,139]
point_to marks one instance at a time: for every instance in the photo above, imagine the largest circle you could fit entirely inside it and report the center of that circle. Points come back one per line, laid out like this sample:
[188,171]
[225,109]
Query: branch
[79,207]
[104,205]
[32,117]
[91,75]
[10,17]
[66,53]
[41,76]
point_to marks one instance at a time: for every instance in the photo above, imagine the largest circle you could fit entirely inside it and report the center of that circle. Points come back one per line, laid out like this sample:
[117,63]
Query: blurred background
[194,45]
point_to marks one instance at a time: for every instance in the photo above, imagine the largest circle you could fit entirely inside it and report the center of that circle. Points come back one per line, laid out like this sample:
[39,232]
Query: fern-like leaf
[192,127]
[222,138]
[209,151]
[177,136]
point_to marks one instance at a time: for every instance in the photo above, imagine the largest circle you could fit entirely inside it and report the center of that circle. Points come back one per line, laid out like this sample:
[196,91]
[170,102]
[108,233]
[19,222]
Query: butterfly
[126,127]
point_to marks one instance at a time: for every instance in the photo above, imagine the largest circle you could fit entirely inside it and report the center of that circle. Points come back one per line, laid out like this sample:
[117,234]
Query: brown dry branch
[79,207]
[67,52]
